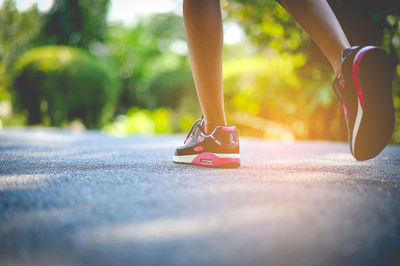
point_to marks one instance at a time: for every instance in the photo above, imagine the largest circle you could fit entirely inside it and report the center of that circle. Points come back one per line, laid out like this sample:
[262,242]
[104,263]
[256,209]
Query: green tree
[18,31]
[75,22]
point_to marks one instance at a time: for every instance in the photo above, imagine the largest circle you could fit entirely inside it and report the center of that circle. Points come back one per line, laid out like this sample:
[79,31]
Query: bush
[142,121]
[169,88]
[57,84]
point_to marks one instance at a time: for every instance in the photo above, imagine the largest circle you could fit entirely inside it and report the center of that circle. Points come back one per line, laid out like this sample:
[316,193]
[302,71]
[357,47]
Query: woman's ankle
[210,126]
[336,59]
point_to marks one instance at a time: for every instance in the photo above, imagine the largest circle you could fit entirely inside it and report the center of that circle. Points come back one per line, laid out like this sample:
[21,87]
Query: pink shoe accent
[345,111]
[356,70]
[341,80]
[198,148]
[210,159]
[228,128]
[200,139]
[188,140]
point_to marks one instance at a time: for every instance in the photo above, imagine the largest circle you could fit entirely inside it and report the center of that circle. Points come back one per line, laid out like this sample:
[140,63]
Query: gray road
[91,199]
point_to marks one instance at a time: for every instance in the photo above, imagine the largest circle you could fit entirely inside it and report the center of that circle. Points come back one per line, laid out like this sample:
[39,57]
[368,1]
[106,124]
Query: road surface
[91,199]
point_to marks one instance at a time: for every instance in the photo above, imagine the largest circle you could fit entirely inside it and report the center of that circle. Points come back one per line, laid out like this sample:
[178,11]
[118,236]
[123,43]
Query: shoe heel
[377,124]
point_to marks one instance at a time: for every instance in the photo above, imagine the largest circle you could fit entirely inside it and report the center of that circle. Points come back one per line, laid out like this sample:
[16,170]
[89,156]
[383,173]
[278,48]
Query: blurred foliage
[267,86]
[266,23]
[75,22]
[142,121]
[151,62]
[17,32]
[167,88]
[57,84]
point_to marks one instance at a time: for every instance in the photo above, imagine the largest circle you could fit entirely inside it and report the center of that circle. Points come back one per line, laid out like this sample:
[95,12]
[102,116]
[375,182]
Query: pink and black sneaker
[218,149]
[364,89]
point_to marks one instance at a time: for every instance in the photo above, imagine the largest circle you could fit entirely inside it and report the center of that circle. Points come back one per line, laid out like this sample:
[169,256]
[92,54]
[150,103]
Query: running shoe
[218,149]
[364,90]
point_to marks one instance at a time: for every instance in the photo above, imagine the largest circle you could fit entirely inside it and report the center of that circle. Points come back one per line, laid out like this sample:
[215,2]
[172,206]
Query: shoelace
[196,124]
[337,88]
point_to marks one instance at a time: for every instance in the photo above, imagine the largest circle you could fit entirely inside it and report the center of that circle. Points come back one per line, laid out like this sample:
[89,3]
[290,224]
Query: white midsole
[357,124]
[190,158]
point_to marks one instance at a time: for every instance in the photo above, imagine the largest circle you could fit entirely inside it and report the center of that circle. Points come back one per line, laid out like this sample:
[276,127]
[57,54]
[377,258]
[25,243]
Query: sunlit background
[121,66]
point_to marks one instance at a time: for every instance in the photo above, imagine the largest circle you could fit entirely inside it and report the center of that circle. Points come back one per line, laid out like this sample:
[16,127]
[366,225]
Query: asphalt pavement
[91,199]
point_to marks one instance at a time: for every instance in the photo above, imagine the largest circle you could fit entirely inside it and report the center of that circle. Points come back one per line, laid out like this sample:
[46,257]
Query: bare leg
[203,24]
[318,20]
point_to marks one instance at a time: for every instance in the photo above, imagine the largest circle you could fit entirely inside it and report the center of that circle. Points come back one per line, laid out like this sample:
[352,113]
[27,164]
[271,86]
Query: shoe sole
[210,159]
[375,119]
